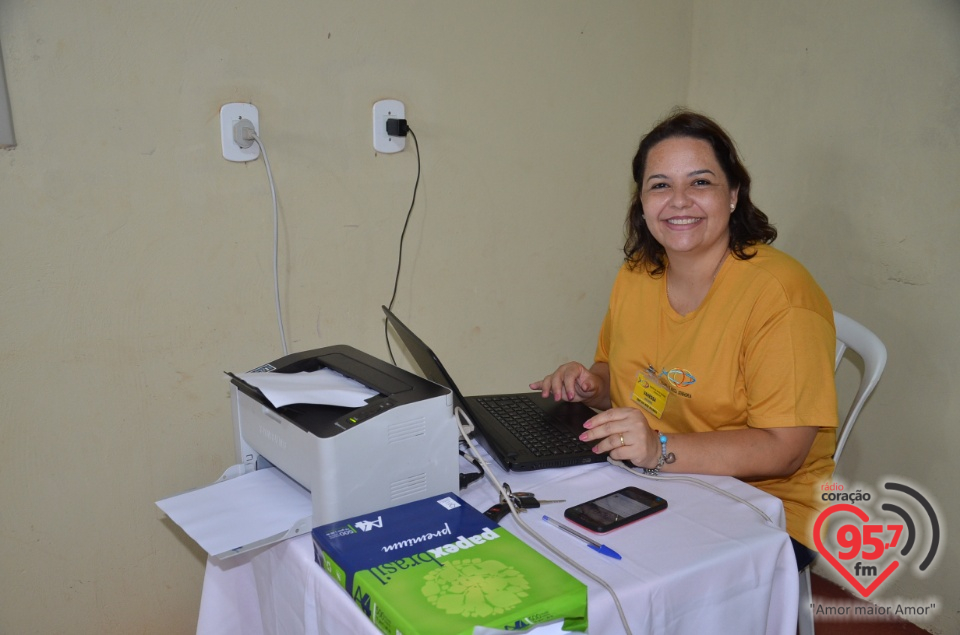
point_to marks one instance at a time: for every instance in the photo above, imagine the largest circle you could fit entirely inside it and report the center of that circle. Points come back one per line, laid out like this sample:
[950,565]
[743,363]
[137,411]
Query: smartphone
[615,509]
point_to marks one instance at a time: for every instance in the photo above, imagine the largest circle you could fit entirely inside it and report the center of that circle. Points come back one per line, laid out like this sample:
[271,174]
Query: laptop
[523,431]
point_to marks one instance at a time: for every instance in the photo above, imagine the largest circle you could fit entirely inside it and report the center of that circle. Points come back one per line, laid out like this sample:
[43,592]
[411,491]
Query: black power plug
[397,127]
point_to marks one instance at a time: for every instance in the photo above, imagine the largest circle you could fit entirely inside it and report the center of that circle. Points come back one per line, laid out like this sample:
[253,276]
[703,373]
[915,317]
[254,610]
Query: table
[707,564]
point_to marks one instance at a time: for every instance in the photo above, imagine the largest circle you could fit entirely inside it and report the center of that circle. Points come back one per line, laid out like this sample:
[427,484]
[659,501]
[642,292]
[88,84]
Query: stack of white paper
[231,516]
[324,386]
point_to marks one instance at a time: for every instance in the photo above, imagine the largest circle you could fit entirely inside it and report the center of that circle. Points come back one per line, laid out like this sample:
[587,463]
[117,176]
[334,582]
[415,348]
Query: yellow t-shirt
[758,352]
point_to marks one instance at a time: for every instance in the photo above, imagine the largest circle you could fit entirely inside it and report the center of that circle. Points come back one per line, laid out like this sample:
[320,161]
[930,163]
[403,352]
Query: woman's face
[686,199]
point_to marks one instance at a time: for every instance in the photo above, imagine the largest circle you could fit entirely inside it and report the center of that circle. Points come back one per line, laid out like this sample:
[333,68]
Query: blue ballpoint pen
[593,544]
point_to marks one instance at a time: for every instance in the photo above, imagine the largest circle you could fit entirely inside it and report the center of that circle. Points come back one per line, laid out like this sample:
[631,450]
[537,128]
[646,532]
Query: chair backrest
[856,337]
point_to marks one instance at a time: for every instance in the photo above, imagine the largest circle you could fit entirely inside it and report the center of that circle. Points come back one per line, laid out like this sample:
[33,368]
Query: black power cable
[399,127]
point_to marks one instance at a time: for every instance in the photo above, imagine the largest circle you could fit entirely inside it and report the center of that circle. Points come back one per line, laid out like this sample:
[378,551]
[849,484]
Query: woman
[716,353]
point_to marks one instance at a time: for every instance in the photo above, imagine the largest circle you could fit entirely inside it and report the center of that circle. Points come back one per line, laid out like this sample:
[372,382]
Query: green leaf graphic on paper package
[475,587]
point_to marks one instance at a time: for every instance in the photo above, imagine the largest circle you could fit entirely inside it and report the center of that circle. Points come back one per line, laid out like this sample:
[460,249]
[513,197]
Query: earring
[733,206]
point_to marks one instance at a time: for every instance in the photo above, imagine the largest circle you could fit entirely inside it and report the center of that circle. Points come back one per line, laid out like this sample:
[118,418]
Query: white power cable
[276,238]
[461,416]
[690,479]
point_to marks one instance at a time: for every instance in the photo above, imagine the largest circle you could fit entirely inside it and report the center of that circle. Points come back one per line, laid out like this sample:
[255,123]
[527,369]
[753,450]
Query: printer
[399,446]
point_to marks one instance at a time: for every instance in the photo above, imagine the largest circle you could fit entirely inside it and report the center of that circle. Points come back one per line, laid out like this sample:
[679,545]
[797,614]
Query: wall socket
[230,115]
[383,110]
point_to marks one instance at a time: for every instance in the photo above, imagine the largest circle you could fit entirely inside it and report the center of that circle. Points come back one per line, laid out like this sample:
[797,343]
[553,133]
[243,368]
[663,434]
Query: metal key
[497,512]
[521,500]
[515,499]
[526,500]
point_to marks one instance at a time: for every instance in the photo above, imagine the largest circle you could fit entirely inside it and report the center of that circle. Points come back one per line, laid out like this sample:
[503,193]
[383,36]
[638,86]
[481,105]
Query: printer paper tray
[242,513]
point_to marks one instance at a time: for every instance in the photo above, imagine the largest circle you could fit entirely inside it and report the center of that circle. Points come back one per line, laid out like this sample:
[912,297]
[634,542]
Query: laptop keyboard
[541,433]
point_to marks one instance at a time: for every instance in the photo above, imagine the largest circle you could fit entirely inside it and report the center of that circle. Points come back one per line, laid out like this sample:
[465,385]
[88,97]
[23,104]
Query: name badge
[650,395]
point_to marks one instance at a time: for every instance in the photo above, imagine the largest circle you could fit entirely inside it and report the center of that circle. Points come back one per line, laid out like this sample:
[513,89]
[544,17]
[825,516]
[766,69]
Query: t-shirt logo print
[679,377]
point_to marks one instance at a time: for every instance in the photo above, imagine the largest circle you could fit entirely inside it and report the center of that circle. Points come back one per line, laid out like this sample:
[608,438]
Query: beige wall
[136,261]
[849,116]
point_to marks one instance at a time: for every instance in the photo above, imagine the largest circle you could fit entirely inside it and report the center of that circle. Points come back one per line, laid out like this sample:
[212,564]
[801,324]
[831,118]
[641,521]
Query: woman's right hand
[571,382]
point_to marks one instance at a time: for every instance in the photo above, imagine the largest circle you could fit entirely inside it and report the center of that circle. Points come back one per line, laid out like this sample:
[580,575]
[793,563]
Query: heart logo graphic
[854,539]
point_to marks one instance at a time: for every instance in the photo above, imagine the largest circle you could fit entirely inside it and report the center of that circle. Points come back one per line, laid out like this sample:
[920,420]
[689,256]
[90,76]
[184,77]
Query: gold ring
[621,441]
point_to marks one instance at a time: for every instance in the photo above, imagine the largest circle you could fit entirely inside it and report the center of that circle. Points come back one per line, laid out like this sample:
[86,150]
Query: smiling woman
[720,168]
[716,353]
[687,200]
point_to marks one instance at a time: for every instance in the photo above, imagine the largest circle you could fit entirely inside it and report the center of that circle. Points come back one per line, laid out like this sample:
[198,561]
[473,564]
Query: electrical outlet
[230,116]
[383,110]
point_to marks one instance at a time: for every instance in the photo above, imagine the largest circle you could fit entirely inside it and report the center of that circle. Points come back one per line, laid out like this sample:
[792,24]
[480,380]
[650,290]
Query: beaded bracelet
[664,456]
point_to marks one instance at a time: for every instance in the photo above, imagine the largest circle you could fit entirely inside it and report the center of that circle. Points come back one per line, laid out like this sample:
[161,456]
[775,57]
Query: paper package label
[440,566]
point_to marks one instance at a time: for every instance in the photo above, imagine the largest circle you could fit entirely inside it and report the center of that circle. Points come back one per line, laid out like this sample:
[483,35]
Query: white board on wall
[7,140]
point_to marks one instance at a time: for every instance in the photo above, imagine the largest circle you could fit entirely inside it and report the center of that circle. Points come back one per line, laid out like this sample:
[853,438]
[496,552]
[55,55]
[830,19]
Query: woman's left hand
[625,434]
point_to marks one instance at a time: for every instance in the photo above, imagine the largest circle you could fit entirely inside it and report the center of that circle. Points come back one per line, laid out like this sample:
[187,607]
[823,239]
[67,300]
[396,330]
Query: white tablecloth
[707,564]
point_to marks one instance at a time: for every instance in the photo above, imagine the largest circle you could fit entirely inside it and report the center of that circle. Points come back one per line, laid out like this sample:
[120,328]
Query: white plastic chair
[861,340]
[853,336]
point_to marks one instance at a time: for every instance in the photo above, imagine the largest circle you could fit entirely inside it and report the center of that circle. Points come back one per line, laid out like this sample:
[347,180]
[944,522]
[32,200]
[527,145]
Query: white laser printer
[400,446]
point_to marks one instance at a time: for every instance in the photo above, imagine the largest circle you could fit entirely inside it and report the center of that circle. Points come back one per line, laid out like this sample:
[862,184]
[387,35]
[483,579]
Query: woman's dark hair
[748,225]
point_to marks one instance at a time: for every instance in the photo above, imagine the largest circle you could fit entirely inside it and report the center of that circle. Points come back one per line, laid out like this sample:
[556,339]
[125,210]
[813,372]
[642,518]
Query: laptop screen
[428,362]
